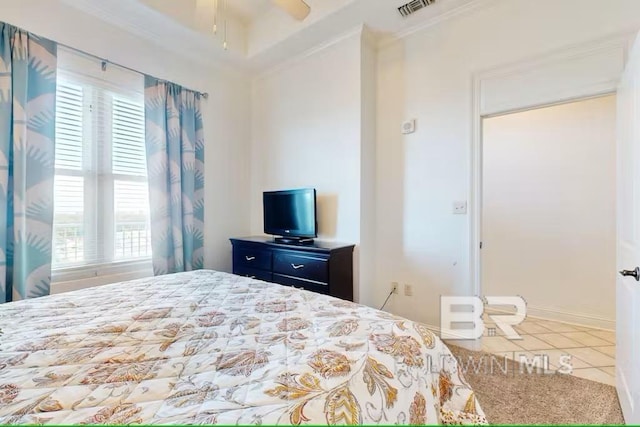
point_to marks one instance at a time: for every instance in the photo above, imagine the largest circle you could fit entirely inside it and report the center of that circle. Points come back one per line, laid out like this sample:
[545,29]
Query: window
[101,212]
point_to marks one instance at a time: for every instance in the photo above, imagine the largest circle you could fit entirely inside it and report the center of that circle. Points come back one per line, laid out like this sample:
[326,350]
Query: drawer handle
[297,266]
[249,258]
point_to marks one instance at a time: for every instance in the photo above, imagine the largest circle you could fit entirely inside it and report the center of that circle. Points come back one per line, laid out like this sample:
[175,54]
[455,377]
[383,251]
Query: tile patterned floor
[591,351]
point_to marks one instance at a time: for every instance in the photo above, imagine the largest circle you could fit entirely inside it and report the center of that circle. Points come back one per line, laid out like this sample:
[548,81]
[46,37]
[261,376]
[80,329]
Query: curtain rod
[104,62]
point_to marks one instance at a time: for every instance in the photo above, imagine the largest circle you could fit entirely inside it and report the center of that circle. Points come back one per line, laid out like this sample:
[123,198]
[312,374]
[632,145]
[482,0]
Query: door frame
[501,90]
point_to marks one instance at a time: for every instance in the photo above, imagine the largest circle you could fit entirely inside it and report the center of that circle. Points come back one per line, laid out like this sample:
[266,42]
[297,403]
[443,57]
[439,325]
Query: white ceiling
[260,34]
[249,10]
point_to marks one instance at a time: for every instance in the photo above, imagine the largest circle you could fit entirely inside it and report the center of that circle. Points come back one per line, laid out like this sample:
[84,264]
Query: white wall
[226,113]
[306,133]
[367,248]
[428,75]
[313,126]
[305,126]
[548,219]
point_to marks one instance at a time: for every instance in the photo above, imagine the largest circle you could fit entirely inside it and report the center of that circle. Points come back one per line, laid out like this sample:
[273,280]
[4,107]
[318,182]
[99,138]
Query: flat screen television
[291,215]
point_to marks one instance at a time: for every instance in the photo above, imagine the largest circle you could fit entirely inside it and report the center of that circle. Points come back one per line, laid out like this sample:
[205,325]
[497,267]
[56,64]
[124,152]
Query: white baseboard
[474,345]
[578,319]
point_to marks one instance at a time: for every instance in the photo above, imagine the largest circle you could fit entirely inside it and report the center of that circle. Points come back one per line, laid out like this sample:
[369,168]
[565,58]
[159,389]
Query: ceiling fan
[216,10]
[296,8]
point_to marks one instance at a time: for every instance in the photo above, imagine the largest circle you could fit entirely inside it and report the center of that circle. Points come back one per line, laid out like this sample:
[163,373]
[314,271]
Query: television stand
[323,267]
[293,241]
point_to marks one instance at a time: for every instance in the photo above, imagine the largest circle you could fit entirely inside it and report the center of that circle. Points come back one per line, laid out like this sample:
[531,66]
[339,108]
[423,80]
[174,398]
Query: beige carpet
[517,398]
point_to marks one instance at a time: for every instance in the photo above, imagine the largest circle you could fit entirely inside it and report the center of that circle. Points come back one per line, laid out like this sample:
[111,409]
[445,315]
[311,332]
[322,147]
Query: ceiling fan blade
[296,8]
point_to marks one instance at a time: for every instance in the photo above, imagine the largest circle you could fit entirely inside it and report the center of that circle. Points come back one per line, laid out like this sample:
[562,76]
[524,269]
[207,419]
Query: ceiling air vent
[414,6]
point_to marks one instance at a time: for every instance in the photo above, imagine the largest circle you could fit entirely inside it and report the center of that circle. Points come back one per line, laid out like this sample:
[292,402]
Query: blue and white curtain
[175,166]
[27,151]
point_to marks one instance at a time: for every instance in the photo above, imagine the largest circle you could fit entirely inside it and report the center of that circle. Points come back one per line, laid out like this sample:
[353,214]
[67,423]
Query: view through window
[101,196]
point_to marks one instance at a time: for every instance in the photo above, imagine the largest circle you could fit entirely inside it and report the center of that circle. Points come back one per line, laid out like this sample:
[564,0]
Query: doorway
[548,227]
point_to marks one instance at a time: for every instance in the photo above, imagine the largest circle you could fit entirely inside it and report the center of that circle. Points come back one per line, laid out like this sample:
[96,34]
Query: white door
[628,257]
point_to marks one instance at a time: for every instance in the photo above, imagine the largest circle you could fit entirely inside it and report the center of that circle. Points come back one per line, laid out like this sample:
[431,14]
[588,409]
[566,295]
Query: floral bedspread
[208,347]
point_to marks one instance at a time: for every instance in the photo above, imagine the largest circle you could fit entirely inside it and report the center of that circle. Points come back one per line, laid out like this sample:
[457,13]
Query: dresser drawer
[322,267]
[254,273]
[252,258]
[304,267]
[301,284]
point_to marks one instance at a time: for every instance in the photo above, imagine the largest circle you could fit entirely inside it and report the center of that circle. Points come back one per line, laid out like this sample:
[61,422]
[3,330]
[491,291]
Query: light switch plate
[408,290]
[460,208]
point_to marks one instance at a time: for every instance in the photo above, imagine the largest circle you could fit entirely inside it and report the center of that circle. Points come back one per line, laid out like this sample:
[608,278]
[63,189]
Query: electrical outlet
[408,290]
[460,208]
[394,288]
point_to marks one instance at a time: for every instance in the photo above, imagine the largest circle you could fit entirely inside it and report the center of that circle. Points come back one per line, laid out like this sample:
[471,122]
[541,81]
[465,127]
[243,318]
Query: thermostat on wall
[409,126]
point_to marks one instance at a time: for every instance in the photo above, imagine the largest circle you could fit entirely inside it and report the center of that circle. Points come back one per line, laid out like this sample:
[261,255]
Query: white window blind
[101,205]
[130,190]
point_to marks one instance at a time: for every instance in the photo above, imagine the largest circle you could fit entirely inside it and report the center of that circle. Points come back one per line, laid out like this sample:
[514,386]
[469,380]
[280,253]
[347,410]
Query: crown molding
[172,36]
[463,9]
[357,31]
[376,40]
[369,37]
[163,31]
[618,40]
[104,12]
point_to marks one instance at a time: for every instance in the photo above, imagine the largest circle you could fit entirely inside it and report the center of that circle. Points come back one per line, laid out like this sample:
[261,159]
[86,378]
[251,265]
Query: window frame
[100,218]
[68,274]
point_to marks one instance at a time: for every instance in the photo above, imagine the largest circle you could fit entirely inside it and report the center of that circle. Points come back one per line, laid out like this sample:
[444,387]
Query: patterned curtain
[175,164]
[27,150]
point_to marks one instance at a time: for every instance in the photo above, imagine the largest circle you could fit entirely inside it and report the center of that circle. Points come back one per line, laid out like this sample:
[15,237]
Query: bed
[207,347]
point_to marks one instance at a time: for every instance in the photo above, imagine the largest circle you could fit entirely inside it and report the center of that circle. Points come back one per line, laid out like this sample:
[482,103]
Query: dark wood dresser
[324,267]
